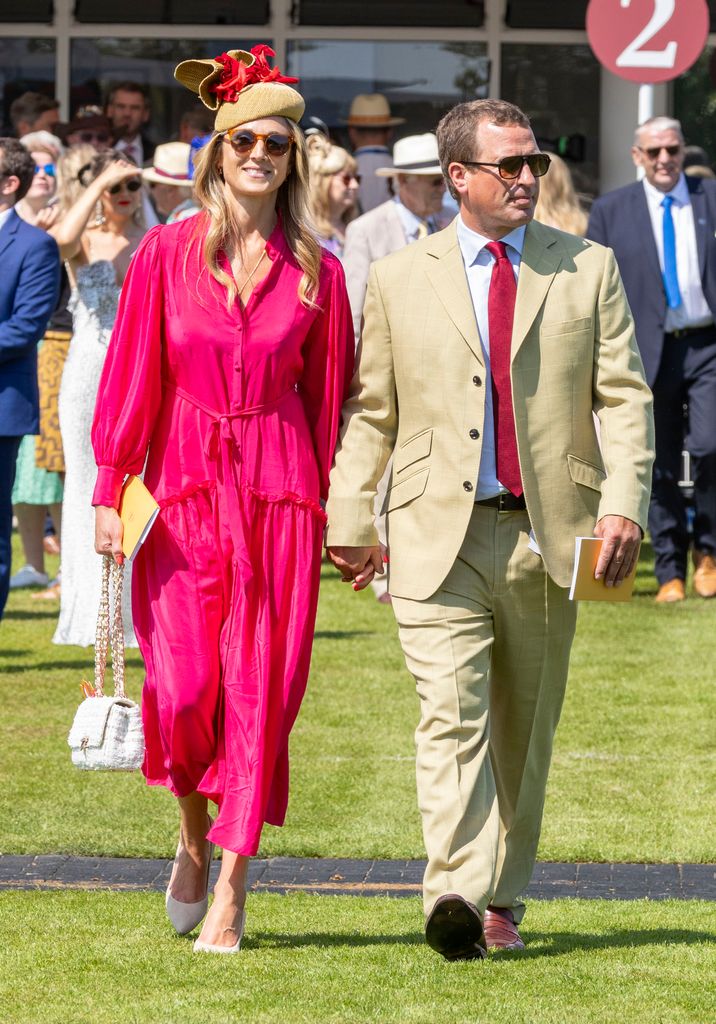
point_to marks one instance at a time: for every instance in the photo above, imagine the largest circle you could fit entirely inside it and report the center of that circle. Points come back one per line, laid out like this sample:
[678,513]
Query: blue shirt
[411,223]
[478,269]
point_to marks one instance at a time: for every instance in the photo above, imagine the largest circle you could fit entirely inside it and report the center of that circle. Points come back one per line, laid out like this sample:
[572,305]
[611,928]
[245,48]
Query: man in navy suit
[29,287]
[663,233]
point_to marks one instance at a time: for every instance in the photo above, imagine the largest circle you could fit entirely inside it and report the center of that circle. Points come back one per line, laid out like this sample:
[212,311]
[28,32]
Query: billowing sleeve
[328,367]
[130,387]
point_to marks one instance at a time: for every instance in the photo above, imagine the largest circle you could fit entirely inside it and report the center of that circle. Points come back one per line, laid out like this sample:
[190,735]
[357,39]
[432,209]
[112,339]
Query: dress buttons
[474,434]
[477,381]
[467,485]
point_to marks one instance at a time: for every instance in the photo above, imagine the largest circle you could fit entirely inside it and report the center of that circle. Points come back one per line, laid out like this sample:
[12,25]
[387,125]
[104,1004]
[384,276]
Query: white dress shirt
[478,268]
[411,223]
[4,214]
[694,310]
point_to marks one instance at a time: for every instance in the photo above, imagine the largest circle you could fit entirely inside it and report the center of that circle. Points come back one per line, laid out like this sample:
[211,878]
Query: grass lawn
[77,958]
[634,768]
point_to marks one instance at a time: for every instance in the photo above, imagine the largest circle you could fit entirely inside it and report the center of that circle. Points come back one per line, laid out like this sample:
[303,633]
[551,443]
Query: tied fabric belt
[221,445]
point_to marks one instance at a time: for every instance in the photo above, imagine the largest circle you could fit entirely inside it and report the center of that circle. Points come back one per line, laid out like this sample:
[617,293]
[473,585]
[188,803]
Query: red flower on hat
[236,75]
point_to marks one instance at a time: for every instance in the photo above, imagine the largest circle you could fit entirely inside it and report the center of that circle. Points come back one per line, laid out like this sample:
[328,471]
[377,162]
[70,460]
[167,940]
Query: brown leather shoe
[501,930]
[705,575]
[454,929]
[671,591]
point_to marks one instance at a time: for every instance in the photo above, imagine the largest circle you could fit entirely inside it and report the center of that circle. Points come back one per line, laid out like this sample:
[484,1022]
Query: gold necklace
[251,273]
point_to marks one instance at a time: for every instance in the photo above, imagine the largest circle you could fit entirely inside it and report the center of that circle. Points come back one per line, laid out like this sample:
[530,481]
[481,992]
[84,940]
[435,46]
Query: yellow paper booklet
[584,586]
[137,510]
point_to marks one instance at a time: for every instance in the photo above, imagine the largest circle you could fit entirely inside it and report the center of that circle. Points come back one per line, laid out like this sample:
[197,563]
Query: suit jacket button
[467,485]
[476,381]
[474,434]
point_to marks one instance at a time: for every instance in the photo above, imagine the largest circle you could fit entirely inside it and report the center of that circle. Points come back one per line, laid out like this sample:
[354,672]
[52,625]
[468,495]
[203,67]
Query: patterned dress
[239,410]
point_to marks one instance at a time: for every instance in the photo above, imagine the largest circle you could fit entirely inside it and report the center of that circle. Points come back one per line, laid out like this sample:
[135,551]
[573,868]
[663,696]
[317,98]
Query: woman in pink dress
[227,368]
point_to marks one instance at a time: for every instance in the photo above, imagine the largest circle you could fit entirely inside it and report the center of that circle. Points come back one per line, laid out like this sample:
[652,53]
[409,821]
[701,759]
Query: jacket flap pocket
[405,490]
[417,447]
[566,326]
[90,723]
[585,473]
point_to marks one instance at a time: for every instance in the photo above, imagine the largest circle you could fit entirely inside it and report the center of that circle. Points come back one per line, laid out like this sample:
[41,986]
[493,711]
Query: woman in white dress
[98,232]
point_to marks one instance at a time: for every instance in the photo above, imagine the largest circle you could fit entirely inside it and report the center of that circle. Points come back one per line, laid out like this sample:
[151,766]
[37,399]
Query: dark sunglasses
[90,137]
[243,140]
[511,166]
[131,186]
[49,169]
[654,152]
[348,179]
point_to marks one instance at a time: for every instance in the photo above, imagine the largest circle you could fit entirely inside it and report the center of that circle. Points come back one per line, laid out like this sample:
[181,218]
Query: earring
[99,217]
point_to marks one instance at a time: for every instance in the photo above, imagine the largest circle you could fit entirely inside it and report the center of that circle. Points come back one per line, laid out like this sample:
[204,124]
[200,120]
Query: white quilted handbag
[106,734]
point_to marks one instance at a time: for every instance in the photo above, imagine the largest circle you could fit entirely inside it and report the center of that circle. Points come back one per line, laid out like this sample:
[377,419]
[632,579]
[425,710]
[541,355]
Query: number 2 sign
[647,40]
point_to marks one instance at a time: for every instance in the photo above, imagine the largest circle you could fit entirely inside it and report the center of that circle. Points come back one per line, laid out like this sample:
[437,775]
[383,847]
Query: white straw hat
[170,165]
[415,154]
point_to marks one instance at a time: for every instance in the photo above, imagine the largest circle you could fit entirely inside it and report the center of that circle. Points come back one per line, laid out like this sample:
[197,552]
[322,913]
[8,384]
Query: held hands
[357,565]
[620,550]
[108,532]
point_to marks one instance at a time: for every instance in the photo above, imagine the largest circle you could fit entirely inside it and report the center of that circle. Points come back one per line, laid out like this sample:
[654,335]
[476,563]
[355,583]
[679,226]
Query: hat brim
[150,174]
[390,172]
[386,122]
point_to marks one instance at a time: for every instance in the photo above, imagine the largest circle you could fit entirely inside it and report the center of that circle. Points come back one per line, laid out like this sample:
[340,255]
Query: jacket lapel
[8,231]
[642,228]
[538,266]
[698,205]
[446,274]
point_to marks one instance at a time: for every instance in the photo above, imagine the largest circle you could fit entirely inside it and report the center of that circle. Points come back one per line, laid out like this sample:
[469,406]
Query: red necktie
[500,314]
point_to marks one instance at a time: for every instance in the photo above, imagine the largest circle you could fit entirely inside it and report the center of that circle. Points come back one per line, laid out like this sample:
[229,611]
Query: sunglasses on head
[48,169]
[511,166]
[243,140]
[90,137]
[654,152]
[133,185]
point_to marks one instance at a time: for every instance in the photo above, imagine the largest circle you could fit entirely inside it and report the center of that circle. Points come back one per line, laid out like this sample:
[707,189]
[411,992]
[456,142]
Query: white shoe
[209,947]
[186,916]
[28,576]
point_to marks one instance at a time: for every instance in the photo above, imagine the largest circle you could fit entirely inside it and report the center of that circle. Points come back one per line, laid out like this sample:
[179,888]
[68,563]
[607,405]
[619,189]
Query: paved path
[362,877]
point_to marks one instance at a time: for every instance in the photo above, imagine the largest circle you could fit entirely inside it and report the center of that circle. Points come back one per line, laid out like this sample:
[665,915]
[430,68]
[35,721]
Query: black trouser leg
[9,447]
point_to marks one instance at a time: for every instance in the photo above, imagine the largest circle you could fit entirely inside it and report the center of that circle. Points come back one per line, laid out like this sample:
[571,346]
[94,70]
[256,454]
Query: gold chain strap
[110,630]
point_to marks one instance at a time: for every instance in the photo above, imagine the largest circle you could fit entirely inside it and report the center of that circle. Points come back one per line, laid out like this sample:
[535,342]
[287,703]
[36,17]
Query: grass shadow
[20,615]
[340,634]
[548,944]
[270,940]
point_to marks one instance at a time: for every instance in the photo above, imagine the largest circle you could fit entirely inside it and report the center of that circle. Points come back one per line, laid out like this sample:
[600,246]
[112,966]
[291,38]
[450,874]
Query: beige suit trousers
[489,652]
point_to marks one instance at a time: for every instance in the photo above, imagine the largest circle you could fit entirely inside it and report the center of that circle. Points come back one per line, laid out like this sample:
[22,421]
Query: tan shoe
[705,575]
[670,592]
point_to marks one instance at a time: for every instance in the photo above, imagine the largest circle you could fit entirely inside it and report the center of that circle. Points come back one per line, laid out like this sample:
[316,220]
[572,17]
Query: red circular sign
[647,40]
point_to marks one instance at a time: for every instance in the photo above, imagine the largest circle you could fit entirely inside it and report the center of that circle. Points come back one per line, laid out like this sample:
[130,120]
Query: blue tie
[671,279]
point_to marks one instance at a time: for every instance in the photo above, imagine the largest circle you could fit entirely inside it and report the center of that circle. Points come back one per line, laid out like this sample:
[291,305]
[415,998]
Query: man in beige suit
[486,348]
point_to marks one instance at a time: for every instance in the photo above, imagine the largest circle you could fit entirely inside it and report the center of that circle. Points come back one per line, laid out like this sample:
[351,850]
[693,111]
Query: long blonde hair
[69,186]
[325,160]
[558,205]
[291,205]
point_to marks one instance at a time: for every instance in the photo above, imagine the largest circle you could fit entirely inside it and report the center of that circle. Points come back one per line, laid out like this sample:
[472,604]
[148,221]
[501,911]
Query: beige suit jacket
[419,393]
[369,238]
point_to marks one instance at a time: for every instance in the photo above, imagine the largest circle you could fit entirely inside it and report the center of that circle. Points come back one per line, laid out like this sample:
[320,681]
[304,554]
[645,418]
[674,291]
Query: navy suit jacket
[29,289]
[621,221]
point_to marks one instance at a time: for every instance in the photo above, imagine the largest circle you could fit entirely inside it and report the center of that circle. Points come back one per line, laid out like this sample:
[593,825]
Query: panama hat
[241,86]
[371,110]
[415,154]
[170,165]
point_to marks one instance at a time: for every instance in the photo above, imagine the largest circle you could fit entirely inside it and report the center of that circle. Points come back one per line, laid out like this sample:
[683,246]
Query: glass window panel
[557,86]
[695,103]
[175,12]
[97,64]
[41,11]
[546,14]
[420,80]
[26,65]
[425,13]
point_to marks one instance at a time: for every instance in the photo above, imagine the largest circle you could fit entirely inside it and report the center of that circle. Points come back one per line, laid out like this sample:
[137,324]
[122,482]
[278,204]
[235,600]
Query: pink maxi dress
[236,412]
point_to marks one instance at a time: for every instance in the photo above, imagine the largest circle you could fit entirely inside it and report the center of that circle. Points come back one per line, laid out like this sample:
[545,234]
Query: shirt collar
[679,193]
[4,214]
[472,244]
[409,220]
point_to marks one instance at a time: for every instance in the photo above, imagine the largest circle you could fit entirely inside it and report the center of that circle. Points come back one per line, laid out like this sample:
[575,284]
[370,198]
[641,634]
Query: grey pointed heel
[186,916]
[209,947]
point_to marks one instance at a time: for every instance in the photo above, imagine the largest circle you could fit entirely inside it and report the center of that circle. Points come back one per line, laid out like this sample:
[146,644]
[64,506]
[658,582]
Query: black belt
[687,332]
[505,502]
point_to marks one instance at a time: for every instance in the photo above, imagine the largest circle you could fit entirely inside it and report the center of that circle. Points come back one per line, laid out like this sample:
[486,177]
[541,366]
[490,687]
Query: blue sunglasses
[49,169]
